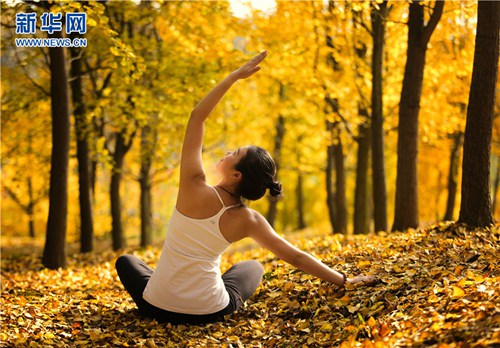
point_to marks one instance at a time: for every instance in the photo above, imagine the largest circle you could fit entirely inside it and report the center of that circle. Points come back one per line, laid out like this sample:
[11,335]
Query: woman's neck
[230,190]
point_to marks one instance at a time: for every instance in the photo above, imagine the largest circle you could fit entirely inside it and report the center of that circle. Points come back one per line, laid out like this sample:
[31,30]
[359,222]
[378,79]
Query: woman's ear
[237,175]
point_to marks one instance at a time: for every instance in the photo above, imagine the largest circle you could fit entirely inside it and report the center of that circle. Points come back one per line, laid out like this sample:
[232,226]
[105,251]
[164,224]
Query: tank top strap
[220,198]
[231,206]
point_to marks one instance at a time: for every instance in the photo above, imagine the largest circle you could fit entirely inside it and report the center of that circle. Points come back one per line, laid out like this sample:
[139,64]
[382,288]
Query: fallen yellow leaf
[458,291]
[371,322]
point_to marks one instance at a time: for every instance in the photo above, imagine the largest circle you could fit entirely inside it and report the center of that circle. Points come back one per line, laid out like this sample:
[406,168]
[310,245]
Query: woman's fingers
[251,67]
[369,280]
[262,54]
[260,57]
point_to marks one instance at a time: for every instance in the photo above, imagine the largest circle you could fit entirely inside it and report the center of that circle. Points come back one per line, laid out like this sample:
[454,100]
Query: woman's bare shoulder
[249,217]
[197,201]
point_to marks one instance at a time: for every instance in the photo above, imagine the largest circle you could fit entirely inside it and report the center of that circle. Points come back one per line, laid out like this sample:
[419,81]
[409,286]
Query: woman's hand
[250,67]
[369,280]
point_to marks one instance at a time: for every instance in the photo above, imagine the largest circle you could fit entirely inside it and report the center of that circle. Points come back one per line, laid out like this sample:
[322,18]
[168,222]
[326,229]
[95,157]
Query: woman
[187,285]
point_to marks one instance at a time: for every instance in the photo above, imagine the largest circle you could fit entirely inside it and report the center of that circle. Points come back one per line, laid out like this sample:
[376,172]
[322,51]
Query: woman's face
[226,166]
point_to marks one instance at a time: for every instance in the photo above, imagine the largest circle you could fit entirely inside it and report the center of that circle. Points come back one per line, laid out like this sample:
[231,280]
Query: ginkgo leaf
[458,291]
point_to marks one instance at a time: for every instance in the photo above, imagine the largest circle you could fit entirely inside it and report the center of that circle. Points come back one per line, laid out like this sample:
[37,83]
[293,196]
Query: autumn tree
[335,169]
[152,52]
[370,130]
[360,216]
[419,34]
[123,126]
[276,152]
[378,17]
[54,253]
[475,208]
[82,128]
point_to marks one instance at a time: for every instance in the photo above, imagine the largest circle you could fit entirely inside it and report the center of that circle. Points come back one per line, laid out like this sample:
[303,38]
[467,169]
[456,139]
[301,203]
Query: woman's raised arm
[191,162]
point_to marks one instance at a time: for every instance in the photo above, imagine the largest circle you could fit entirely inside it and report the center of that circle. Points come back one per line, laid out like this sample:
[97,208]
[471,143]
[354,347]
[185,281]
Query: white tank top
[187,278]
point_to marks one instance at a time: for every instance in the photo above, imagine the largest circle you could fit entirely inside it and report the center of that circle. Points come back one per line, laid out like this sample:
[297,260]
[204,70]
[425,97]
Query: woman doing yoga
[187,285]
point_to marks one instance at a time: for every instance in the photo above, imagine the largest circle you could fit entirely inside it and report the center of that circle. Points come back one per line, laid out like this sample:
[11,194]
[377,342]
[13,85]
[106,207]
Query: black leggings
[241,280]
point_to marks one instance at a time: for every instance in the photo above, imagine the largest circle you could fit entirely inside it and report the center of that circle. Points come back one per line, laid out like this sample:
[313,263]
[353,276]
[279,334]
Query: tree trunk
[377,126]
[330,195]
[301,223]
[337,202]
[475,208]
[145,183]
[82,153]
[54,253]
[406,208]
[146,213]
[278,144]
[453,176]
[30,209]
[340,190]
[116,212]
[360,194]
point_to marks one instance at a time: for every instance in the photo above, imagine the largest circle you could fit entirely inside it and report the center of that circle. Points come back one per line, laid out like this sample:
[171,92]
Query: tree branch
[28,76]
[15,198]
[433,21]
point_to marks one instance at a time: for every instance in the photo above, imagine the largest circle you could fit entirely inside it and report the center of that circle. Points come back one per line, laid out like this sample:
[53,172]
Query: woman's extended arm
[264,234]
[191,162]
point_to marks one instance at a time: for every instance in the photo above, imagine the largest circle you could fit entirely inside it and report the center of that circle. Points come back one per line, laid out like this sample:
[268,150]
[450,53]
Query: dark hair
[258,174]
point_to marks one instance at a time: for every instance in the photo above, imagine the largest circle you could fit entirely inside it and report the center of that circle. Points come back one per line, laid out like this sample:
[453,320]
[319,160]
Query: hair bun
[276,189]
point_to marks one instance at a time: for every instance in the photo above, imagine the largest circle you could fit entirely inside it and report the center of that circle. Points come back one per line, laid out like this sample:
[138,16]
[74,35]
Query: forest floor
[439,287]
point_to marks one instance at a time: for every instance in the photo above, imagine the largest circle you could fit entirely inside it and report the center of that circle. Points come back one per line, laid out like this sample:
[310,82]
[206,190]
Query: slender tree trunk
[93,175]
[145,184]
[116,212]
[340,188]
[360,194]
[377,126]
[30,209]
[299,190]
[146,213]
[278,144]
[301,223]
[453,175]
[54,253]
[330,195]
[406,208]
[98,130]
[82,153]
[331,107]
[336,201]
[475,208]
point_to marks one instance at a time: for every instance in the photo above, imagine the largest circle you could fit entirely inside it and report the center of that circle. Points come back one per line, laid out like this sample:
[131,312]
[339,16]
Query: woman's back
[187,278]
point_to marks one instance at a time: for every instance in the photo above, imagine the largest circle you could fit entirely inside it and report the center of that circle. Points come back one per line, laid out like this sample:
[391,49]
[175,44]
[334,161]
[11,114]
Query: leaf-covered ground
[438,287]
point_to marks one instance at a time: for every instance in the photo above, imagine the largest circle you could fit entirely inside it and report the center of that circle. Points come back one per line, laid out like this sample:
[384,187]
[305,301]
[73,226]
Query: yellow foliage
[181,49]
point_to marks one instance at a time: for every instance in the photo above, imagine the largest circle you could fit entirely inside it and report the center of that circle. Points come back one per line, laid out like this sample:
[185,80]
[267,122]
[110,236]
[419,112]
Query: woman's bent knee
[122,262]
[255,266]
